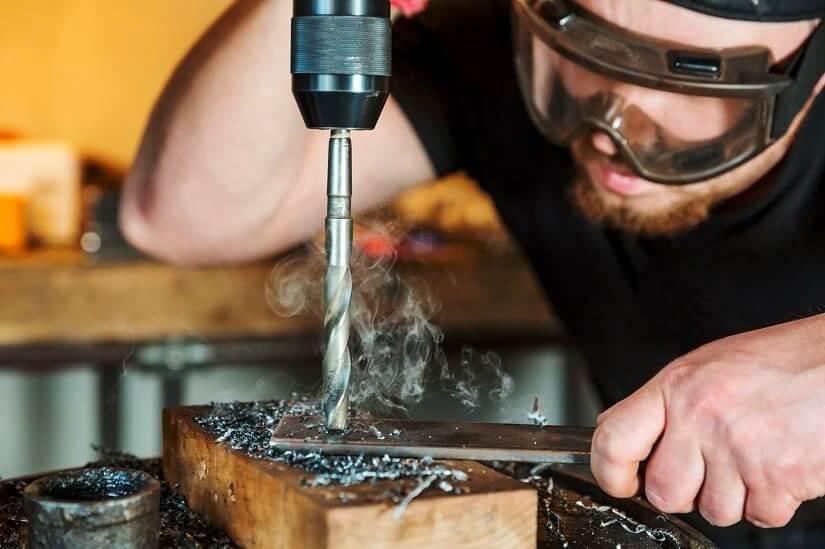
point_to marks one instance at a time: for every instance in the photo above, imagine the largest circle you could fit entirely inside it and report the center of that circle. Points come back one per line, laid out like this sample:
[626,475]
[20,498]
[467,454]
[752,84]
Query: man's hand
[735,429]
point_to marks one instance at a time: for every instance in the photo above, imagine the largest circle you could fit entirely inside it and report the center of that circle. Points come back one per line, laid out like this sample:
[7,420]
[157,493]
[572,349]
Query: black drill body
[341,62]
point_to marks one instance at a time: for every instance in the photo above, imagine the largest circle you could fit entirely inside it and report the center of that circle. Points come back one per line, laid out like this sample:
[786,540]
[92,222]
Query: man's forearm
[225,136]
[795,345]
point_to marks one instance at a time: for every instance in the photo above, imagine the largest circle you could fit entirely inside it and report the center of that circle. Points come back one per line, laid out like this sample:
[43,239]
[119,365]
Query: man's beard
[614,212]
[682,211]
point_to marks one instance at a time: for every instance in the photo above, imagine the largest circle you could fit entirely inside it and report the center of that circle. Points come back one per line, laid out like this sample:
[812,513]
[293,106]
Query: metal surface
[338,281]
[91,508]
[439,440]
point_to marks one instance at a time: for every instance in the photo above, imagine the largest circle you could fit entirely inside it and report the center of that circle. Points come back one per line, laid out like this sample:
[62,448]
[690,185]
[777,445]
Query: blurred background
[95,340]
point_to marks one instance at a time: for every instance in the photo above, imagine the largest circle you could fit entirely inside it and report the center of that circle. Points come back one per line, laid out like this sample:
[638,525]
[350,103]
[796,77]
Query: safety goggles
[677,115]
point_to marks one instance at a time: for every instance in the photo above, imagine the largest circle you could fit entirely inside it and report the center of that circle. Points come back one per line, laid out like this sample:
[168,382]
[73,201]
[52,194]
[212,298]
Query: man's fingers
[769,509]
[620,480]
[625,436]
[722,500]
[675,473]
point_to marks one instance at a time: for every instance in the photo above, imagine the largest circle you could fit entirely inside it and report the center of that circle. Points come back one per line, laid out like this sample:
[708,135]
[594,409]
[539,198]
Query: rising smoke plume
[396,348]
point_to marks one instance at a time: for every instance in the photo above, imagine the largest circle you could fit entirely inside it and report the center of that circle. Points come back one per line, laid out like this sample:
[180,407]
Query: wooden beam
[56,298]
[264,504]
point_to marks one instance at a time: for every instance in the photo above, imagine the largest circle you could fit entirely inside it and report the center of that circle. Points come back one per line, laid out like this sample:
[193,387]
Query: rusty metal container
[93,508]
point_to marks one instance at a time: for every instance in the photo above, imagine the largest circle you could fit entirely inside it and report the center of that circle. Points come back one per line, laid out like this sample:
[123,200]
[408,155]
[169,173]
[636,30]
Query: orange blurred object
[12,223]
[376,246]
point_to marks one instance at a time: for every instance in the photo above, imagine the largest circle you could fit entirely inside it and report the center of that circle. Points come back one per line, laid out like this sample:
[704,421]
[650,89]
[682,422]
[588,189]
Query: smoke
[478,374]
[396,348]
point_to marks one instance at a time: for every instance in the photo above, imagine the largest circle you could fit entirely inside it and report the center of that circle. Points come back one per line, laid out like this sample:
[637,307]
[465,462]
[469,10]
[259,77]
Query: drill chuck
[341,61]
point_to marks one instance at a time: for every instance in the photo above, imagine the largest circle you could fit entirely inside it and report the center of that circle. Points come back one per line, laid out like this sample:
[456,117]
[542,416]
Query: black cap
[757,10]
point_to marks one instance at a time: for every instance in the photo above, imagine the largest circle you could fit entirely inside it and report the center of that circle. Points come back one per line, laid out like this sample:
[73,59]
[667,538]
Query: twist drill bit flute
[341,66]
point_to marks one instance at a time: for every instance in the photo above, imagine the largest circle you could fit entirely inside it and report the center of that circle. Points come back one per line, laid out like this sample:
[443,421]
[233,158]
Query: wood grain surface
[264,504]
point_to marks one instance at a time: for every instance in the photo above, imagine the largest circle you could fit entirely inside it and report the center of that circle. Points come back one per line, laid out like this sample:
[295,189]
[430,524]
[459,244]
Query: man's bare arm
[227,170]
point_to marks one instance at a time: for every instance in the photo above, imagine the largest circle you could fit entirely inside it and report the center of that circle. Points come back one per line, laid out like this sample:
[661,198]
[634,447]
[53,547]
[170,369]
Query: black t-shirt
[632,304]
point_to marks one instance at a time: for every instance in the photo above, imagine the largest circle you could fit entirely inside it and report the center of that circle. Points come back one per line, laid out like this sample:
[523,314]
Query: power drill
[341,67]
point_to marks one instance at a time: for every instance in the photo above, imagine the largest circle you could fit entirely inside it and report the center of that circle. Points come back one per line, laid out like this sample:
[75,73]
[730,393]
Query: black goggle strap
[806,71]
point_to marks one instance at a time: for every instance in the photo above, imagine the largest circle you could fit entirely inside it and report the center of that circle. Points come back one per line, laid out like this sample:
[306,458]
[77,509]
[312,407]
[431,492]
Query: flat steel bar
[439,440]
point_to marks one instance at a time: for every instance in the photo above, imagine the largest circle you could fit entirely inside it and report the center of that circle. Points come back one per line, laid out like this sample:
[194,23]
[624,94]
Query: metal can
[92,508]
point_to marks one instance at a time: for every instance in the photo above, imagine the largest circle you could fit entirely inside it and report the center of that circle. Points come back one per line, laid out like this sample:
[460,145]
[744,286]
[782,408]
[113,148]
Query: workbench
[59,311]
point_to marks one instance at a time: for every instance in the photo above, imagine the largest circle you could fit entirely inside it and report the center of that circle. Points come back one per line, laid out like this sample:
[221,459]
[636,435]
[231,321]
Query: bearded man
[660,162]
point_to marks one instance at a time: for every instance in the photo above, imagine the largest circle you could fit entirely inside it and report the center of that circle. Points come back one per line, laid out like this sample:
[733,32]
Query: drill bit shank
[338,282]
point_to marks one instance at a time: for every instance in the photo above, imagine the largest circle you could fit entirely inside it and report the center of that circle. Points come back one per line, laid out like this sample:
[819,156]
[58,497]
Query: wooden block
[263,503]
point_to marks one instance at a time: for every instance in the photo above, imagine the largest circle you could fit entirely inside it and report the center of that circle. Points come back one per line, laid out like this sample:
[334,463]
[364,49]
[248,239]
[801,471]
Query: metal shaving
[12,518]
[248,428]
[569,519]
[378,434]
[552,523]
[423,484]
[536,416]
[615,516]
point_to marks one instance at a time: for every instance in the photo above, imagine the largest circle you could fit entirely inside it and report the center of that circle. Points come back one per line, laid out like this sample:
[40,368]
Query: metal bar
[440,440]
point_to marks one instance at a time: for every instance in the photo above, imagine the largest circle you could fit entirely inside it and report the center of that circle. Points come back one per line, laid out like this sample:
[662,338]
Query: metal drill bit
[338,281]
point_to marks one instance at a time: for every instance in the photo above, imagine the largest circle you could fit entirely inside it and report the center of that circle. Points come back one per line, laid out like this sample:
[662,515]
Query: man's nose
[602,143]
